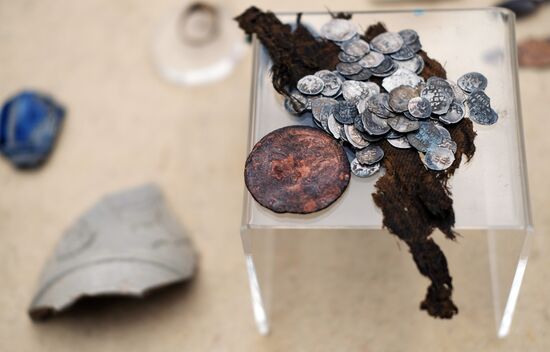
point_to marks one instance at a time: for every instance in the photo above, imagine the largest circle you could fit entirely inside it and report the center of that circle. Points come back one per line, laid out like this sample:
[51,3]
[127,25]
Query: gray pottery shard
[126,245]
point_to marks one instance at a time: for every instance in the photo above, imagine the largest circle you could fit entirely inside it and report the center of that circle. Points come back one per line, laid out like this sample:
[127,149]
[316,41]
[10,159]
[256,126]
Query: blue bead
[29,125]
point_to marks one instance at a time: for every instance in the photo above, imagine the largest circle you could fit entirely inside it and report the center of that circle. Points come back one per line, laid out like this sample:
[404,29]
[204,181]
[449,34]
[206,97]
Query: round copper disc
[297,169]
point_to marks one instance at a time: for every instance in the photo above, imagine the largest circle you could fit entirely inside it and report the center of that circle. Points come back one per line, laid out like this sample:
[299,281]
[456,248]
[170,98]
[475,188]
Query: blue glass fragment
[29,125]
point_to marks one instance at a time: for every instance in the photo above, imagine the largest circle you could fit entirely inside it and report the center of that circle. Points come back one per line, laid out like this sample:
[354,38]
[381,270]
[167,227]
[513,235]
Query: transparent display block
[340,262]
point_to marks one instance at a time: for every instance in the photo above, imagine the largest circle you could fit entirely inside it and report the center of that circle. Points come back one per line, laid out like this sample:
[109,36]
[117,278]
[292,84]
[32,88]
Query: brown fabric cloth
[414,200]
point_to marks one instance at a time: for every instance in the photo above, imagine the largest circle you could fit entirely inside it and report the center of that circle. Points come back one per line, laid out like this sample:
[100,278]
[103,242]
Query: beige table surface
[126,126]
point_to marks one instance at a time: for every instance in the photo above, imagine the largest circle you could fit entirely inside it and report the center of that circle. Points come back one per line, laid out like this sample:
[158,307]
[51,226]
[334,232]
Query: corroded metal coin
[400,97]
[372,59]
[354,137]
[405,53]
[354,91]
[373,124]
[322,108]
[310,85]
[370,155]
[296,103]
[363,75]
[297,169]
[479,106]
[401,77]
[360,170]
[357,47]
[400,143]
[448,144]
[403,124]
[458,93]
[454,114]
[345,112]
[332,83]
[334,127]
[416,46]
[472,81]
[440,94]
[387,42]
[409,35]
[348,68]
[438,158]
[343,57]
[338,30]
[420,108]
[416,64]
[379,104]
[425,137]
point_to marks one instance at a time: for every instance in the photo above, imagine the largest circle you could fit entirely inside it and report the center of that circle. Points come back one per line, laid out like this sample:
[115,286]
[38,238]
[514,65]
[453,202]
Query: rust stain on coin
[297,169]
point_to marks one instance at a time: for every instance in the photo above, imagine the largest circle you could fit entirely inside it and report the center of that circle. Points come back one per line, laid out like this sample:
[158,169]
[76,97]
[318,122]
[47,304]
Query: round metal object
[297,169]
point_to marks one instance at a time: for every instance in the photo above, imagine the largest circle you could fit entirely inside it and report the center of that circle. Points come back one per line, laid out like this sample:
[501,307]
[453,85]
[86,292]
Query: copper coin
[297,169]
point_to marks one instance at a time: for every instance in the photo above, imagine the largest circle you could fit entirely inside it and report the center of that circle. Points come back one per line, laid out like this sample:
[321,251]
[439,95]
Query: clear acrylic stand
[339,265]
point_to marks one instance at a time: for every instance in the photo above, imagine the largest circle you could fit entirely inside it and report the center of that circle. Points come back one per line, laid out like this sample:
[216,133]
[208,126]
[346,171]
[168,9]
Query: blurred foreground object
[29,124]
[522,8]
[534,53]
[126,245]
[197,44]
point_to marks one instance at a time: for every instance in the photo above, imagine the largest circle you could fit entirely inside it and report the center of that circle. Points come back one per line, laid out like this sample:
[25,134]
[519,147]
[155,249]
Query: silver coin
[378,104]
[370,155]
[401,77]
[372,59]
[331,81]
[357,47]
[348,68]
[393,134]
[400,143]
[409,116]
[425,137]
[354,137]
[338,30]
[358,123]
[409,35]
[387,42]
[416,46]
[385,66]
[363,75]
[439,93]
[311,99]
[443,131]
[405,53]
[472,81]
[479,106]
[459,95]
[345,112]
[355,37]
[420,108]
[373,124]
[321,109]
[438,158]
[448,143]
[354,91]
[400,97]
[454,114]
[310,85]
[343,57]
[334,127]
[385,73]
[403,124]
[296,103]
[371,138]
[363,170]
[415,64]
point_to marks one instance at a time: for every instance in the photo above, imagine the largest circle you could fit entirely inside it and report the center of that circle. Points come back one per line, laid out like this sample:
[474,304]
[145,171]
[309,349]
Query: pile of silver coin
[409,112]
